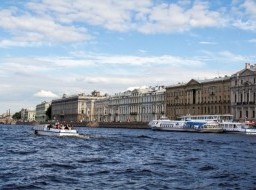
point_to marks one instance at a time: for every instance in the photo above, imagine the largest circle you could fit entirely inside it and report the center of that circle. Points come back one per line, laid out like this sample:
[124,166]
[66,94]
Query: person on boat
[66,127]
[49,127]
[57,125]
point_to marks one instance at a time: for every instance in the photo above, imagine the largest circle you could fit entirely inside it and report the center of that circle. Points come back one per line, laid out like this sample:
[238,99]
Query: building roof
[248,66]
[216,79]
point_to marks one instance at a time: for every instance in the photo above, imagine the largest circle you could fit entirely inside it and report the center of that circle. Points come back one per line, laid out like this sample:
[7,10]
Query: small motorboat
[55,130]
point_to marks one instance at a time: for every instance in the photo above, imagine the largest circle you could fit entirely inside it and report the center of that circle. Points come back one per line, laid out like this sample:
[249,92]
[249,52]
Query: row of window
[201,110]
[242,82]
[209,90]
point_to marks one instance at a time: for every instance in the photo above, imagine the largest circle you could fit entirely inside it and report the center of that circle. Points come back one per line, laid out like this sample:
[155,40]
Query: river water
[126,159]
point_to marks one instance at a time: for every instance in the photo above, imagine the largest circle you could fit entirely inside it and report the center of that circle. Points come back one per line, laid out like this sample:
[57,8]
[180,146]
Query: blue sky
[48,48]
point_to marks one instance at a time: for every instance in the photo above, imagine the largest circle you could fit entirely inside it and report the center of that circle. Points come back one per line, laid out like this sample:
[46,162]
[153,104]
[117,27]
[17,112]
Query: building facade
[77,108]
[102,110]
[199,97]
[28,115]
[41,111]
[243,93]
[138,105]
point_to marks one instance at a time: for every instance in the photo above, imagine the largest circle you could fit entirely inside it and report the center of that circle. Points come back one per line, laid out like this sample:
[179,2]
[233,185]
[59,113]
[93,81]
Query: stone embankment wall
[132,125]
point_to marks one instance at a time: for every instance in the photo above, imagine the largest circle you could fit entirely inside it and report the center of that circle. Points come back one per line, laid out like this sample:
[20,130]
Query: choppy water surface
[126,159]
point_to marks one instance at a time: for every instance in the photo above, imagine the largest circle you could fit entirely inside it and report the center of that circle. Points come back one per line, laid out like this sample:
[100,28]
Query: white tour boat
[233,127]
[48,130]
[236,127]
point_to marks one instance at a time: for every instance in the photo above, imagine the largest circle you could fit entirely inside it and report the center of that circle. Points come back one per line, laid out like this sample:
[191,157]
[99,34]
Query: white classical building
[28,115]
[41,111]
[138,105]
[243,93]
[102,110]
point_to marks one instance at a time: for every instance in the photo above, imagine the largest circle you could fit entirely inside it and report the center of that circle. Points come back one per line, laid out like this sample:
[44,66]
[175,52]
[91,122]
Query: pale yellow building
[198,97]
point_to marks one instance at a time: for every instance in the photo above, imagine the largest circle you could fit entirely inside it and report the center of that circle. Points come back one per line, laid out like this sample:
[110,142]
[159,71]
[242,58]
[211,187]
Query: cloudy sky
[51,47]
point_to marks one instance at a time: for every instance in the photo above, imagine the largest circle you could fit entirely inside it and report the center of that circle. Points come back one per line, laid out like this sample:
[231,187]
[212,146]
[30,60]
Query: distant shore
[130,125]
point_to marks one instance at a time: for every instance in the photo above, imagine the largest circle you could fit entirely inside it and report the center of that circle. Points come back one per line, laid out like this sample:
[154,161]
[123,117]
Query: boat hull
[44,130]
[51,133]
[211,130]
[173,129]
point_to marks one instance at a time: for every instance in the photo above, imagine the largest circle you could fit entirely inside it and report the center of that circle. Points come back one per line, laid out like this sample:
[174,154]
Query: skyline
[49,48]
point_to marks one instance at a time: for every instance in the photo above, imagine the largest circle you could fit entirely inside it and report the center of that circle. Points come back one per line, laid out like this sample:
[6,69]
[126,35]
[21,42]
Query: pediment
[246,72]
[192,82]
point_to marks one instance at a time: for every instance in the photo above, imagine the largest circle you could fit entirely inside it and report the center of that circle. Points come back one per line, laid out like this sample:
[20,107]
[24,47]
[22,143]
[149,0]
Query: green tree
[49,112]
[17,115]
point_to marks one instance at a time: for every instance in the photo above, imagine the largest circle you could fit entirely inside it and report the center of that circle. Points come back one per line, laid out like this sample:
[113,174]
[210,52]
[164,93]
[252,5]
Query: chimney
[247,65]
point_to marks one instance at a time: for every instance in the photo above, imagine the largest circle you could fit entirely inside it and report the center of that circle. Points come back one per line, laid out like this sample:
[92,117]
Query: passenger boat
[49,130]
[168,125]
[154,122]
[202,123]
[233,127]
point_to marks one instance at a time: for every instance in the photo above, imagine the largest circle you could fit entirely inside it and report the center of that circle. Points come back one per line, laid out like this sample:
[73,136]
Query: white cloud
[252,40]
[165,18]
[138,60]
[250,7]
[66,21]
[28,28]
[46,21]
[45,94]
[229,56]
[243,15]
[207,43]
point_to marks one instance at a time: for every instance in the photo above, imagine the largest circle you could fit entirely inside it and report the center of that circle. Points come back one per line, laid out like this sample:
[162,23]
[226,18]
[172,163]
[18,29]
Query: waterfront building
[198,97]
[243,93]
[76,108]
[41,111]
[138,105]
[102,110]
[28,114]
